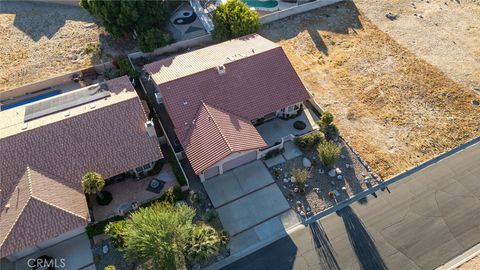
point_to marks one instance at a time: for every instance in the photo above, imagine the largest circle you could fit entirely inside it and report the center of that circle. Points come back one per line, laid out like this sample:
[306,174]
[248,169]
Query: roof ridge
[56,206]
[29,178]
[15,222]
[216,125]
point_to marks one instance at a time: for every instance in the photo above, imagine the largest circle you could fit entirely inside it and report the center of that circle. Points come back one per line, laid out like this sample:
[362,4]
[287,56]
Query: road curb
[461,259]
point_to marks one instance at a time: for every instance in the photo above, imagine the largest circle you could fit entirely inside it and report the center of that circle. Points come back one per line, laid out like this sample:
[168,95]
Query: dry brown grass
[396,109]
[41,40]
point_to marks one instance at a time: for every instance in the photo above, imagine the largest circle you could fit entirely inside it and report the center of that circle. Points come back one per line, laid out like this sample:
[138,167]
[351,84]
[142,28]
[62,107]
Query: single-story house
[46,148]
[215,95]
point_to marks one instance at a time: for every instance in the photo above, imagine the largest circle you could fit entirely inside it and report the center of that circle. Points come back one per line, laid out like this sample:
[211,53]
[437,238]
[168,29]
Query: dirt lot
[445,33]
[44,40]
[396,109]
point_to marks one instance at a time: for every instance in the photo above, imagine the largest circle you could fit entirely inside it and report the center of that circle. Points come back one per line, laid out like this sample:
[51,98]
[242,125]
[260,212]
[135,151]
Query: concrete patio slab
[273,161]
[291,150]
[272,131]
[252,209]
[236,183]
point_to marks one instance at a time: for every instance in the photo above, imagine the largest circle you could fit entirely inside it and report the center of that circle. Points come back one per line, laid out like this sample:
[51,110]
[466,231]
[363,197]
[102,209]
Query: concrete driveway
[246,197]
[237,183]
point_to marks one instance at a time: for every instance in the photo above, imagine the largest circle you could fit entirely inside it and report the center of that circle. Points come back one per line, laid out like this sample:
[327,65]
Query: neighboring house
[46,148]
[215,95]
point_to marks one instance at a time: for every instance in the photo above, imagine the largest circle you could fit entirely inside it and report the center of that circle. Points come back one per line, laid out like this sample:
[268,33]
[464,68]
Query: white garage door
[248,157]
[209,173]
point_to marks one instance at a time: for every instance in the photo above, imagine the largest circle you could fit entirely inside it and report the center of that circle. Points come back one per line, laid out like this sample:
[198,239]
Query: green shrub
[327,127]
[172,195]
[116,230]
[154,38]
[310,140]
[127,69]
[329,153]
[98,228]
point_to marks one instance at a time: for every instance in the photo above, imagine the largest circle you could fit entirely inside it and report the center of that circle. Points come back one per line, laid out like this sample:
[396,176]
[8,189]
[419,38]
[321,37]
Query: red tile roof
[216,134]
[254,84]
[41,167]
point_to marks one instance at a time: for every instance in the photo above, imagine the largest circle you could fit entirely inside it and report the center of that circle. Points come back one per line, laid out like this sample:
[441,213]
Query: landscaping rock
[321,171]
[286,180]
[306,163]
[339,177]
[292,179]
[332,173]
[338,171]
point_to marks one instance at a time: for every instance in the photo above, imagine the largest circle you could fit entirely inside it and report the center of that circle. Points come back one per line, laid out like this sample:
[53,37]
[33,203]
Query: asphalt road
[420,222]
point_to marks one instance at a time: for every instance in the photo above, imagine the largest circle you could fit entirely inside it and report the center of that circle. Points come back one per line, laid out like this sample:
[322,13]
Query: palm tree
[93,183]
[204,242]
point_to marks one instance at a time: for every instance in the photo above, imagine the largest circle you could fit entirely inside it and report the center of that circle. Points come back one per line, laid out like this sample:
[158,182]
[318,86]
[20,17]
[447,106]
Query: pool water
[30,100]
[261,4]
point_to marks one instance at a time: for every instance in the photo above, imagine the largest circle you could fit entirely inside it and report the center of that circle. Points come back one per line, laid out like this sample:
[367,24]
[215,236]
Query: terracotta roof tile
[217,134]
[41,167]
[253,85]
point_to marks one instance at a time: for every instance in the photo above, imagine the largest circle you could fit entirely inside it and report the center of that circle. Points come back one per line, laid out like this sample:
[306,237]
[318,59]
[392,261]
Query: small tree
[234,19]
[155,236]
[329,153]
[204,242]
[300,175]
[327,127]
[93,183]
[152,39]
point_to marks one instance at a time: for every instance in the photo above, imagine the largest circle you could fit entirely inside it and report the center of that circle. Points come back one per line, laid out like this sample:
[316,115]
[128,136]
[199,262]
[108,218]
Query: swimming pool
[261,4]
[30,100]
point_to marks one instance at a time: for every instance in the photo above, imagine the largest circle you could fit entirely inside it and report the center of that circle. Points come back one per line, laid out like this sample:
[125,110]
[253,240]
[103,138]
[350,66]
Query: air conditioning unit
[159,98]
[150,128]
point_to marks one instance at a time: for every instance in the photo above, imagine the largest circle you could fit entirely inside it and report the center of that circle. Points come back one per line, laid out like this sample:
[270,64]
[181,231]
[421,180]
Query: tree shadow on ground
[339,18]
[39,20]
[361,242]
[325,251]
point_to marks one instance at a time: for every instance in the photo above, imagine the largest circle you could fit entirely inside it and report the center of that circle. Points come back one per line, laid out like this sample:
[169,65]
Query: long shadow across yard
[325,251]
[362,243]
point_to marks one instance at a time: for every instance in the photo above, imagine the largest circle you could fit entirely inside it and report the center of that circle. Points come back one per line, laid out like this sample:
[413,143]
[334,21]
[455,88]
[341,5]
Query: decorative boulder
[332,173]
[286,180]
[338,171]
[292,179]
[306,163]
[339,177]
[342,156]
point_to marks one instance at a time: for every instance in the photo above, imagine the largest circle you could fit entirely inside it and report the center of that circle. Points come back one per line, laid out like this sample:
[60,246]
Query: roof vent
[24,126]
[185,102]
[92,105]
[67,113]
[150,128]
[221,69]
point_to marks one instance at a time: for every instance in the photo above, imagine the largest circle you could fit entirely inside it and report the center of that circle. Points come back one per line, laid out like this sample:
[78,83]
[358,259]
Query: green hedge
[310,140]
[176,167]
[173,194]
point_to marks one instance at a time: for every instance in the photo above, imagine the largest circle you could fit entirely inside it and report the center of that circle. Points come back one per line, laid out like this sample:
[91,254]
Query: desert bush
[329,153]
[310,140]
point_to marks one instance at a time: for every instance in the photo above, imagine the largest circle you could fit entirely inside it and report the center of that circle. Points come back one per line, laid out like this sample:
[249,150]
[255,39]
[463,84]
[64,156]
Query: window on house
[146,167]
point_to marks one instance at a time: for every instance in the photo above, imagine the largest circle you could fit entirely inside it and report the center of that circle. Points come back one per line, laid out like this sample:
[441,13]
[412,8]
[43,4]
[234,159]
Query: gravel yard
[354,179]
[44,40]
[395,109]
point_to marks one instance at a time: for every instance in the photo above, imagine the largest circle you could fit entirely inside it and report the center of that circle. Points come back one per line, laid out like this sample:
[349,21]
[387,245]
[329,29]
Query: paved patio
[132,190]
[237,182]
[272,131]
[76,251]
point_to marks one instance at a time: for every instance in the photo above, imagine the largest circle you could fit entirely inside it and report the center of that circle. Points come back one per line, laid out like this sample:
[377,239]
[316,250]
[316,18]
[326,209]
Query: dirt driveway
[396,109]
